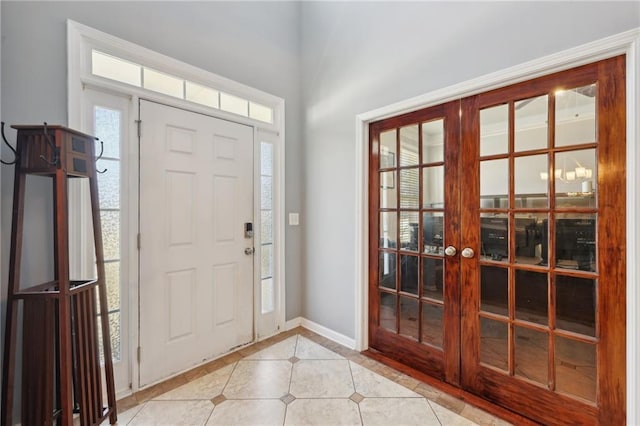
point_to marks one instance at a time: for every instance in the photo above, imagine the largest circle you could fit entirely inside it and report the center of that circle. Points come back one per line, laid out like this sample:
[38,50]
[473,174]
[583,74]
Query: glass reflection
[432,331]
[388,193]
[388,149]
[494,293]
[433,233]
[576,178]
[388,230]
[433,187]
[409,141]
[576,368]
[530,178]
[576,115]
[494,343]
[576,241]
[409,274]
[432,278]
[531,123]
[433,141]
[409,231]
[494,183]
[409,188]
[388,311]
[531,355]
[387,270]
[494,130]
[494,237]
[532,297]
[528,235]
[409,317]
[576,304]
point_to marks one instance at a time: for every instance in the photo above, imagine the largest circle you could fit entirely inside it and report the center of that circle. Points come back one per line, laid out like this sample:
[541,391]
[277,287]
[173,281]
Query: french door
[498,244]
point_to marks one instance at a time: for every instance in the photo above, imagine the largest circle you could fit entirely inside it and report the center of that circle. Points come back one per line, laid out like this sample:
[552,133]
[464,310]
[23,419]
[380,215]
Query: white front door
[196,282]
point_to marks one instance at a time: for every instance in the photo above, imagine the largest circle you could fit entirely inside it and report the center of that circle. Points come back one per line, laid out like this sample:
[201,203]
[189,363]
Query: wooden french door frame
[524,397]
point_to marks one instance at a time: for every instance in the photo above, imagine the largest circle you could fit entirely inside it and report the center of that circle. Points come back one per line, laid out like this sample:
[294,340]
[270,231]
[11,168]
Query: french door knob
[467,252]
[450,251]
[249,251]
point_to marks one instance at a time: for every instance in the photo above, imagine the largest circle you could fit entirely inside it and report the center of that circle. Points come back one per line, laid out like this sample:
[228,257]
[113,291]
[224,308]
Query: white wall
[358,56]
[253,43]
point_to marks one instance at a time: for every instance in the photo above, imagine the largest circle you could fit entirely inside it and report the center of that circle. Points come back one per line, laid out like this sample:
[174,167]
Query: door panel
[530,310]
[414,315]
[196,284]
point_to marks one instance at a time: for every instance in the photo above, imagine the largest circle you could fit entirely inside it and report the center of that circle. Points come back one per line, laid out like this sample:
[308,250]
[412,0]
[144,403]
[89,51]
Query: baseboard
[293,323]
[328,333]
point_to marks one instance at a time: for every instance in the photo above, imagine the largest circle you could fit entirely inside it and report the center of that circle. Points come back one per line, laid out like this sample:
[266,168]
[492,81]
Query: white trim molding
[626,43]
[321,330]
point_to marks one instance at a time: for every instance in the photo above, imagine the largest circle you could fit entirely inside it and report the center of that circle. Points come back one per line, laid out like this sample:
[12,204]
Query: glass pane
[432,331]
[433,141]
[266,226]
[409,142]
[110,221]
[234,104]
[260,112]
[529,234]
[109,183]
[494,343]
[576,115]
[266,192]
[576,178]
[532,355]
[266,268]
[107,129]
[266,159]
[388,311]
[494,130]
[494,290]
[163,83]
[494,183]
[388,149]
[432,278]
[433,187]
[409,231]
[409,188]
[576,304]
[531,179]
[576,368]
[387,270]
[576,241]
[409,274]
[494,237]
[531,118]
[433,233]
[532,297]
[388,229]
[112,275]
[114,333]
[409,317]
[202,95]
[113,68]
[388,193]
[267,295]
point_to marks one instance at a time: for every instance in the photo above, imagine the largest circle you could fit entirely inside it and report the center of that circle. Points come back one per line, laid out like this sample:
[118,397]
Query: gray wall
[360,56]
[253,43]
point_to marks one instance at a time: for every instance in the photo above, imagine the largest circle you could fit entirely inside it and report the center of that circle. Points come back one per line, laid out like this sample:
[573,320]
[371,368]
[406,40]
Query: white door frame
[627,43]
[81,40]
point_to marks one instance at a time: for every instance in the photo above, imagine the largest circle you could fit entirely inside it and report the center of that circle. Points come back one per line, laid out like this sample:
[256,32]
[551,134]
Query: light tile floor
[301,380]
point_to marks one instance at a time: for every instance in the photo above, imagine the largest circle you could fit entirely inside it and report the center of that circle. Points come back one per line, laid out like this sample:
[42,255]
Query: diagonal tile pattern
[298,381]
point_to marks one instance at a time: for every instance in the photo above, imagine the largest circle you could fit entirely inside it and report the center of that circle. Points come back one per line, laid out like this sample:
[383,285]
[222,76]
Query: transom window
[123,71]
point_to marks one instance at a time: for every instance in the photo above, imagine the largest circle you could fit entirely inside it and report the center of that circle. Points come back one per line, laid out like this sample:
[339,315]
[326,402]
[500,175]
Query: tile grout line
[433,411]
[354,391]
[286,406]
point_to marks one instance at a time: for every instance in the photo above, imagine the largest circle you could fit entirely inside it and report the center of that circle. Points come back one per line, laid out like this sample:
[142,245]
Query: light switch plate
[294,219]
